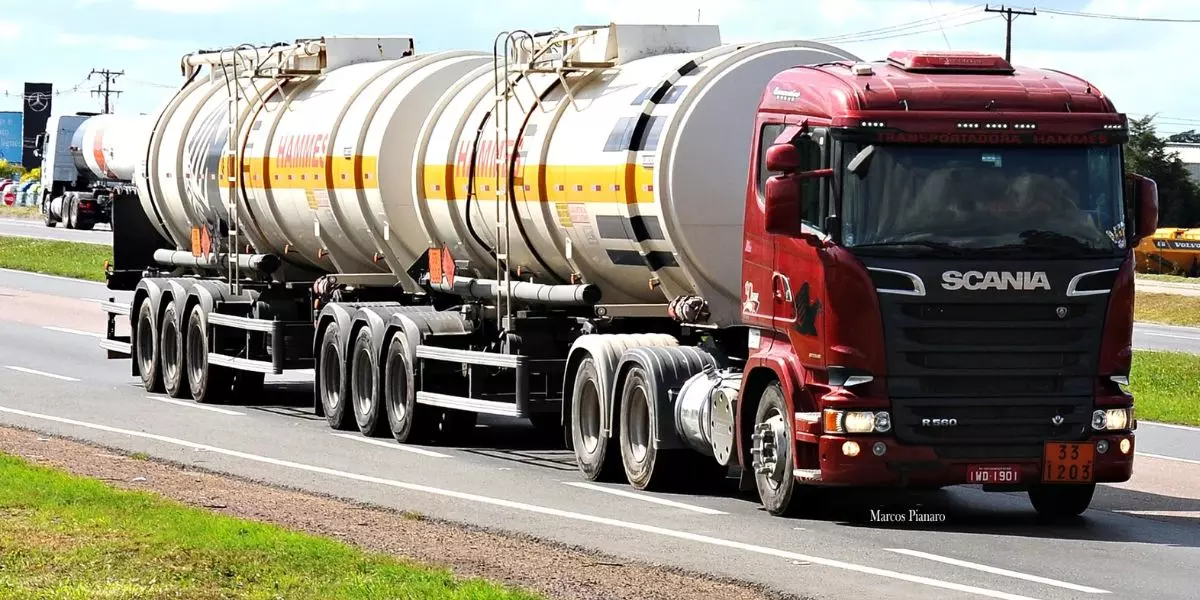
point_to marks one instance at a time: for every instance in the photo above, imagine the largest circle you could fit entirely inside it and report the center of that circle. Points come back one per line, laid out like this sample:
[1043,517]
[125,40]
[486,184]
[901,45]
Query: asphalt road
[38,230]
[1141,540]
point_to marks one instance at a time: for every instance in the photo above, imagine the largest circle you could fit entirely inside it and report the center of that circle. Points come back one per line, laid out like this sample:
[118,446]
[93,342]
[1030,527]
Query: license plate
[1069,462]
[993,474]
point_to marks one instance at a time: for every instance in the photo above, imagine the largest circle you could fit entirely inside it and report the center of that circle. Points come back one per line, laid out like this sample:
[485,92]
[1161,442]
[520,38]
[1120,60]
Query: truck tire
[209,384]
[148,364]
[595,455]
[646,467]
[370,415]
[330,382]
[776,489]
[170,343]
[1060,501]
[47,218]
[408,421]
[70,210]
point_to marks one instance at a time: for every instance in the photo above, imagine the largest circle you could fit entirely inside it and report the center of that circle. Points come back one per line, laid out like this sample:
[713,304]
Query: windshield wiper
[941,247]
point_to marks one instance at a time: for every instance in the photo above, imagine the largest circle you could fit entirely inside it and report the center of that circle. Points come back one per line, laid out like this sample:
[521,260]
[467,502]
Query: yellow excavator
[1170,251]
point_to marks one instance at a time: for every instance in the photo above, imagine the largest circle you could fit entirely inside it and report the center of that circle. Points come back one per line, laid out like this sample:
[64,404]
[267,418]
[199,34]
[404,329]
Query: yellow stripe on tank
[553,183]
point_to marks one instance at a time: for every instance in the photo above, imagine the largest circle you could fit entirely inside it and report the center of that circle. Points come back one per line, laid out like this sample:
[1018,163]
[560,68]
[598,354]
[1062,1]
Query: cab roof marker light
[1114,126]
[1025,126]
[862,70]
[968,125]
[872,124]
[996,126]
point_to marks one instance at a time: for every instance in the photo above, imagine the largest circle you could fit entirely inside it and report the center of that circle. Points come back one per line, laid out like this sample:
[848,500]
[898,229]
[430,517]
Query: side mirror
[783,157]
[1144,192]
[784,208]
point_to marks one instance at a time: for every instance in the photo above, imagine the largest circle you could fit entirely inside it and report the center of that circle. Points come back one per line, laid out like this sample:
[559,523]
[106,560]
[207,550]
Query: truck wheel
[46,216]
[331,385]
[171,344]
[70,212]
[209,384]
[587,405]
[1061,501]
[646,467]
[772,452]
[369,413]
[408,421]
[148,363]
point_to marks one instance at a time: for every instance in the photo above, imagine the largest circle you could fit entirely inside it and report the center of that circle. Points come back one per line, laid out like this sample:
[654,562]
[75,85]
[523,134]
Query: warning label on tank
[579,213]
[318,199]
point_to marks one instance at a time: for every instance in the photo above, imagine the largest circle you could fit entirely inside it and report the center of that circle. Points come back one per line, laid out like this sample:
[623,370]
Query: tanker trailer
[448,234]
[88,164]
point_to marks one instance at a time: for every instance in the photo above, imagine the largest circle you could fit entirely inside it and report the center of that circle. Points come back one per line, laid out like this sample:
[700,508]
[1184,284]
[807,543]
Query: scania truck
[687,259]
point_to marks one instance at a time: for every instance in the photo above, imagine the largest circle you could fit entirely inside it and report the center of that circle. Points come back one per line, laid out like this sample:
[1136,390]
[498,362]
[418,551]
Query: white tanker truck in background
[88,162]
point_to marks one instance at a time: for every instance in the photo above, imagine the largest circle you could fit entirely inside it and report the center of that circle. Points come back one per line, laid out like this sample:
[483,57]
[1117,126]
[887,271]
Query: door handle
[781,286]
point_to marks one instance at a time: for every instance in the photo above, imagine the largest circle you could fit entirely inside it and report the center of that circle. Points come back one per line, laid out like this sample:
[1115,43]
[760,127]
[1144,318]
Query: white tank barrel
[629,171]
[110,146]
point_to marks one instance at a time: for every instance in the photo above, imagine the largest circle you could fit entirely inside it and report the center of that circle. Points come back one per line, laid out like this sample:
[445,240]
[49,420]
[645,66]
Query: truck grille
[968,374]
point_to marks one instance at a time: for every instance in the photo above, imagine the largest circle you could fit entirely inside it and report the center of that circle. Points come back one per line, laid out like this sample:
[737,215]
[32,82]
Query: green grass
[19,212]
[1168,278]
[1167,309]
[63,536]
[66,259]
[1166,386]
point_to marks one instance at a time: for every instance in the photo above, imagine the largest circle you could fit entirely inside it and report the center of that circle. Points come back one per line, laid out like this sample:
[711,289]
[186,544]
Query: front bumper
[905,466]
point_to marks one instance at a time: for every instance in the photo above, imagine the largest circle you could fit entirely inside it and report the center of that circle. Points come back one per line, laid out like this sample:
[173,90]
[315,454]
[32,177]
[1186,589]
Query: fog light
[1102,446]
[1125,445]
[879,448]
[850,449]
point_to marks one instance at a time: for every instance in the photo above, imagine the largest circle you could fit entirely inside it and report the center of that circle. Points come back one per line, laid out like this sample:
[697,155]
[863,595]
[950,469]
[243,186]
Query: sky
[1138,59]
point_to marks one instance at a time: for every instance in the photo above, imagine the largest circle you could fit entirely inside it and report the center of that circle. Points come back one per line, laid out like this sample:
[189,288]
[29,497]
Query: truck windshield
[1065,199]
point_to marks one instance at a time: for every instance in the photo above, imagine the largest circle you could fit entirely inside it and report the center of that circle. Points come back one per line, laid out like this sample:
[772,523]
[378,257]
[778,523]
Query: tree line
[1147,154]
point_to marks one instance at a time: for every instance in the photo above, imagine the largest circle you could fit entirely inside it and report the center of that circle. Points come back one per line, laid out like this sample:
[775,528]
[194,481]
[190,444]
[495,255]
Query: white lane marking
[1169,425]
[1187,514]
[58,277]
[999,571]
[42,373]
[74,331]
[393,446]
[533,508]
[223,411]
[1182,460]
[1171,335]
[643,497]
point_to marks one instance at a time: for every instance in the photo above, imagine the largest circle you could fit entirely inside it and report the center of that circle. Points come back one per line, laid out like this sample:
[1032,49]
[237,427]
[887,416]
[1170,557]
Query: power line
[1009,14]
[1087,15]
[899,27]
[106,90]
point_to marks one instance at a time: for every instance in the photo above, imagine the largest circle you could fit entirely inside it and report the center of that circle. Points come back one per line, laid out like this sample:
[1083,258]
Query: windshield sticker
[1117,235]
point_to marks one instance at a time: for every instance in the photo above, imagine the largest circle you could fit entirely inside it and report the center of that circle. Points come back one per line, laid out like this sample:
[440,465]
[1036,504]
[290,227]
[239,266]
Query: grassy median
[1166,386]
[1167,309]
[19,212]
[66,259]
[64,536]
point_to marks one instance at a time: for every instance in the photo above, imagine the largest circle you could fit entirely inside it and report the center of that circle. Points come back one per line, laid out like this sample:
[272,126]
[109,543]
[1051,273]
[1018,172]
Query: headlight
[1112,419]
[839,421]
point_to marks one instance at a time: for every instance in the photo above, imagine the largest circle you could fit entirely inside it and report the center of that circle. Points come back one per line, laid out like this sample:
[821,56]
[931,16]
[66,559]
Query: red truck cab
[938,264]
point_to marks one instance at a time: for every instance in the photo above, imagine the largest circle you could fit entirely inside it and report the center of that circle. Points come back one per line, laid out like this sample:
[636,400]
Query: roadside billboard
[11,136]
[38,104]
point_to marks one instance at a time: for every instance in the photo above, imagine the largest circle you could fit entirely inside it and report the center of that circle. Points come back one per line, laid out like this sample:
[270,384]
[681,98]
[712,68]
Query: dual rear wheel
[171,355]
[376,395]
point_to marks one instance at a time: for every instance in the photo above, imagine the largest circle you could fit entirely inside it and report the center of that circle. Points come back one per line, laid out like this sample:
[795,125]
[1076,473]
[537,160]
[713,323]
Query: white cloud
[10,32]
[126,43]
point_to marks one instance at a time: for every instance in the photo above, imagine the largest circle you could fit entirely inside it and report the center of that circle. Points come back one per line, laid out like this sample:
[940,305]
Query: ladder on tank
[241,65]
[515,55]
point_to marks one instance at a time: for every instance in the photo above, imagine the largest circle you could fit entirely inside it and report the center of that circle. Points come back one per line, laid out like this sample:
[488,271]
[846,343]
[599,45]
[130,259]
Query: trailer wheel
[209,384]
[369,413]
[408,421]
[1061,501]
[587,407]
[645,465]
[772,443]
[171,349]
[148,363]
[330,383]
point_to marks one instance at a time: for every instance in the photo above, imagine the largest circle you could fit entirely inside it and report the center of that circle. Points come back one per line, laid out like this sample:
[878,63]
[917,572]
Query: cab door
[797,283]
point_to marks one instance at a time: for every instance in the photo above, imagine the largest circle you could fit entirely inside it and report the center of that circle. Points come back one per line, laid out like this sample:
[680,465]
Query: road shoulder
[551,569]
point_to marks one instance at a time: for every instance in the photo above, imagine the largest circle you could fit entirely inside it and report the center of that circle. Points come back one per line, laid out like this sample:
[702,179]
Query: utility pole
[105,89]
[1009,15]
